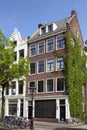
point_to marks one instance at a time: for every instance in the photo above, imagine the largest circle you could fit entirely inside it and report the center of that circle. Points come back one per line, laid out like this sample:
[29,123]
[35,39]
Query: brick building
[47,69]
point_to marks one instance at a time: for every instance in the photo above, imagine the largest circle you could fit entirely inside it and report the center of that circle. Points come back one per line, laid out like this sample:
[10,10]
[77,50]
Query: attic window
[50,28]
[43,30]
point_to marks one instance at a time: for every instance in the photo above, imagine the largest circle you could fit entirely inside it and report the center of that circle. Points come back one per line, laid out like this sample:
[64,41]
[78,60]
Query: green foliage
[75,62]
[8,69]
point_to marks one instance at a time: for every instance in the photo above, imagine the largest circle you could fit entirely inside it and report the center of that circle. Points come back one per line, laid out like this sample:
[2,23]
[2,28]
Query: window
[21,53]
[33,50]
[41,48]
[13,108]
[49,85]
[43,30]
[60,63]
[60,84]
[60,42]
[50,65]
[31,85]
[15,42]
[7,90]
[40,86]
[76,32]
[20,85]
[13,88]
[50,45]
[32,68]
[40,66]
[50,28]
[15,56]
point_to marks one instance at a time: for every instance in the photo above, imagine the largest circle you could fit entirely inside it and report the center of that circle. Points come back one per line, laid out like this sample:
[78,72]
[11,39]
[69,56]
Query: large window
[43,30]
[40,86]
[20,84]
[21,53]
[41,48]
[13,92]
[40,66]
[32,68]
[13,108]
[33,50]
[50,45]
[50,65]
[60,84]
[60,63]
[50,85]
[60,42]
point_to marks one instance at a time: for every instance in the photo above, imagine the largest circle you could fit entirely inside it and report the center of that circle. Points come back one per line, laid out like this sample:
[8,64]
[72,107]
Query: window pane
[50,45]
[43,30]
[40,66]
[13,88]
[49,85]
[33,50]
[21,53]
[13,109]
[20,87]
[32,68]
[50,65]
[41,48]
[60,84]
[50,28]
[60,63]
[60,42]
[40,86]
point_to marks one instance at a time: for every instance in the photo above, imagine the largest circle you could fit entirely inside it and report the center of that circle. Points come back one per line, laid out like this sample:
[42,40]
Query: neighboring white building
[15,96]
[0,99]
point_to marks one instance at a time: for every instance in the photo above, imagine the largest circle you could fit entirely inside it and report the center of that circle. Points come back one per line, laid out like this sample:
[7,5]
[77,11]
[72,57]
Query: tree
[8,69]
[75,62]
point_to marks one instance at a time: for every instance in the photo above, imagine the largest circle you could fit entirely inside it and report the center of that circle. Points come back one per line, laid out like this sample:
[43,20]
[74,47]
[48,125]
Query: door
[62,110]
[29,112]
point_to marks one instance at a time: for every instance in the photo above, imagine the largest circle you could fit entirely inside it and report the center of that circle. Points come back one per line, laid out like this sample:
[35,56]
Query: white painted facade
[17,101]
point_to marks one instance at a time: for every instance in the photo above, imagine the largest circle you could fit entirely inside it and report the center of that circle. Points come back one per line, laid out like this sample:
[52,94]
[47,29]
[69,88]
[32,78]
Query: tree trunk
[3,103]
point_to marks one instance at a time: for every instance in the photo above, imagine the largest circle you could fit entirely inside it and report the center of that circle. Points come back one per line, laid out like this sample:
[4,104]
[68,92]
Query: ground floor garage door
[45,109]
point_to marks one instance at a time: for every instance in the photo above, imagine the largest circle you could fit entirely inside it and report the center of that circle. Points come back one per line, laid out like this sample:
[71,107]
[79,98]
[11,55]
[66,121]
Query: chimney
[73,12]
[39,25]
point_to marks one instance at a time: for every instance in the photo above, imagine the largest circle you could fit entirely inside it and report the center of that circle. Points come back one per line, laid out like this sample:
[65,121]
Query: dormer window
[43,30]
[50,28]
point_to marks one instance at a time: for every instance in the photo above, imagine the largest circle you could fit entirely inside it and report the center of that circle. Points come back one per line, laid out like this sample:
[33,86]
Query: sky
[25,15]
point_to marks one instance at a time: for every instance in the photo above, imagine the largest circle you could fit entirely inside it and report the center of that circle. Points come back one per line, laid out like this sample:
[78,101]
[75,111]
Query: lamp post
[32,118]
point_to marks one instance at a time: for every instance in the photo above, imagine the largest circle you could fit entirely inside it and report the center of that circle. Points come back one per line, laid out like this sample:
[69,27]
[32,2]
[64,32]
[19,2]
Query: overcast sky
[27,14]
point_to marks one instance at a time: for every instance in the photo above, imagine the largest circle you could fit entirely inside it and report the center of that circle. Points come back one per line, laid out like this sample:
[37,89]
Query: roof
[61,27]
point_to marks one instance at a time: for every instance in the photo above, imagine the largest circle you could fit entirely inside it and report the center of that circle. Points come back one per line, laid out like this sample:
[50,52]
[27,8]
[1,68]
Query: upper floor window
[60,63]
[32,68]
[41,48]
[60,84]
[49,85]
[50,27]
[60,42]
[40,86]
[15,42]
[33,50]
[40,66]
[21,53]
[50,45]
[15,56]
[13,92]
[43,30]
[31,85]
[50,65]
[20,87]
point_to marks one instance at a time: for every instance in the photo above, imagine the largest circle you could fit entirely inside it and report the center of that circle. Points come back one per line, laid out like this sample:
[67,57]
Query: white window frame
[46,85]
[38,47]
[63,86]
[47,45]
[58,69]
[43,85]
[38,68]
[47,65]
[30,50]
[57,43]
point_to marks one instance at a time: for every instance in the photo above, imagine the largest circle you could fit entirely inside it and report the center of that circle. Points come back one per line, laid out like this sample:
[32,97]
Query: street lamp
[32,120]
